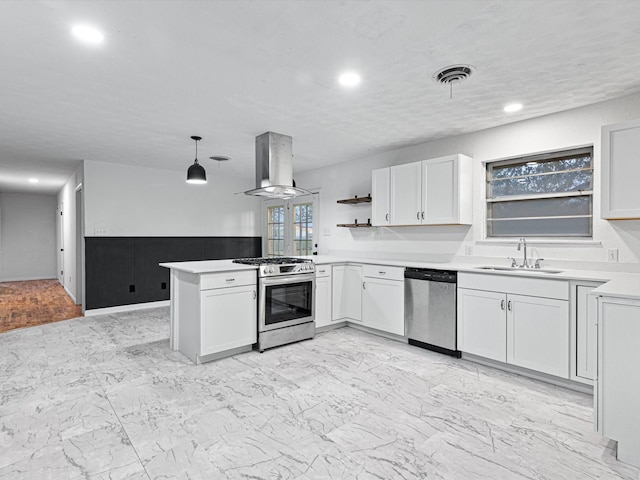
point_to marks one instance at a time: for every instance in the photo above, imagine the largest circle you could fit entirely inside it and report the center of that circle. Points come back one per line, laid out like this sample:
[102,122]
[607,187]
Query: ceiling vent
[452,75]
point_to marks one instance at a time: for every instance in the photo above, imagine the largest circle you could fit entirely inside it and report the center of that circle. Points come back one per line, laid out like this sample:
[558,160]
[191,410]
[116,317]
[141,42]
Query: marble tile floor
[105,398]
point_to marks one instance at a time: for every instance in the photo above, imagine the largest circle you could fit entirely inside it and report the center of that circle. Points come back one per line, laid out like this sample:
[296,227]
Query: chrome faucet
[525,261]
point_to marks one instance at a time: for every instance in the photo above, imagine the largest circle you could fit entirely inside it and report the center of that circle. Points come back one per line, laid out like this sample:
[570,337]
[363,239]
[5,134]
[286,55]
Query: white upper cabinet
[621,170]
[380,197]
[437,191]
[446,190]
[406,194]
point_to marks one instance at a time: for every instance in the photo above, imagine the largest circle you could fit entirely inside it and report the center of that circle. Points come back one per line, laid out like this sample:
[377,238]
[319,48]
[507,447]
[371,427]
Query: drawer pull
[382,273]
[231,279]
[321,271]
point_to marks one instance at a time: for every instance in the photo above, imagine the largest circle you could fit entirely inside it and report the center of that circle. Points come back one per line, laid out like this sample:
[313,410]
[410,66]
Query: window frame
[289,218]
[541,157]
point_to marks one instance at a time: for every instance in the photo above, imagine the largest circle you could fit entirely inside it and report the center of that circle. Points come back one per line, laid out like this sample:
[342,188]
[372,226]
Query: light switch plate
[326,231]
[468,250]
[612,255]
[100,231]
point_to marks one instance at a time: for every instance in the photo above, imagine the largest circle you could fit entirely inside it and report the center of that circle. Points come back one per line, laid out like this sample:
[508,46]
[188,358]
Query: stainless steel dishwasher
[430,309]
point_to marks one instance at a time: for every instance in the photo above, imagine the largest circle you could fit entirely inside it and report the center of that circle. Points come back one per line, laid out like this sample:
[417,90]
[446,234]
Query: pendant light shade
[196,173]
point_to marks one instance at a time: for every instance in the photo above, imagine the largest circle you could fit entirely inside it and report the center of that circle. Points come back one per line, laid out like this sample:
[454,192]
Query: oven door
[286,301]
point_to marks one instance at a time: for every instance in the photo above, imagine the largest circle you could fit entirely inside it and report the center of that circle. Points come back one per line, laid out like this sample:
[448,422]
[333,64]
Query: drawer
[228,279]
[381,271]
[533,287]
[323,270]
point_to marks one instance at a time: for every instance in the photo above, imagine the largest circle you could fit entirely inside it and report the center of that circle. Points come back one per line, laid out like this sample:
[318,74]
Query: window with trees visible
[275,231]
[289,226]
[547,195]
[303,229]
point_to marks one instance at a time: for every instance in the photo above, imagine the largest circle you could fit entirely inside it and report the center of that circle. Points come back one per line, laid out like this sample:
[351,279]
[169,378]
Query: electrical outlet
[468,250]
[100,231]
[612,255]
[326,231]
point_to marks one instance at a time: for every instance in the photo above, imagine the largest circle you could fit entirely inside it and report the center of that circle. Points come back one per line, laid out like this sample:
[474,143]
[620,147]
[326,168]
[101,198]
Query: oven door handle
[284,279]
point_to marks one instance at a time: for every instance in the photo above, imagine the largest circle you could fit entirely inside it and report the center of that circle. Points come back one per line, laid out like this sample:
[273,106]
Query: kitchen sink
[519,270]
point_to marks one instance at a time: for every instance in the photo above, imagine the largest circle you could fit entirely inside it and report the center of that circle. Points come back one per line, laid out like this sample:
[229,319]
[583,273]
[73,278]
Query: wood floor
[35,302]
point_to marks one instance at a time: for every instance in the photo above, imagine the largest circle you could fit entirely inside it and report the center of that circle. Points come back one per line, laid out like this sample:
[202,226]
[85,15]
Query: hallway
[35,302]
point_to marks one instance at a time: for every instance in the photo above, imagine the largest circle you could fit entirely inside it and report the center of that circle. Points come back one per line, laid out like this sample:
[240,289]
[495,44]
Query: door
[406,194]
[61,249]
[383,305]
[440,191]
[380,197]
[538,334]
[228,318]
[289,226]
[339,292]
[323,300]
[354,292]
[586,333]
[482,326]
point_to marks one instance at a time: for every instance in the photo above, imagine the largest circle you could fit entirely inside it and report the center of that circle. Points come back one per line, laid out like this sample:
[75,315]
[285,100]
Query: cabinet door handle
[364,285]
[501,304]
[255,295]
[509,305]
[418,215]
[387,217]
[422,215]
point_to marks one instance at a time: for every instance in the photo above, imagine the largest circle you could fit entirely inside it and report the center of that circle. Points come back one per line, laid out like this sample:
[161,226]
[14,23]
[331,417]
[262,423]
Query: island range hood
[274,167]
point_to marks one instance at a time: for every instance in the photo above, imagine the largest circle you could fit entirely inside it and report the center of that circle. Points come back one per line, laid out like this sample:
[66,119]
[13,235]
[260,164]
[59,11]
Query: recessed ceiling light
[88,34]
[33,180]
[513,107]
[349,79]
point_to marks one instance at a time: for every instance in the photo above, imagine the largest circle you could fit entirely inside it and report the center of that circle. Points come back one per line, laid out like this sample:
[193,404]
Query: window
[303,229]
[289,226]
[275,230]
[547,195]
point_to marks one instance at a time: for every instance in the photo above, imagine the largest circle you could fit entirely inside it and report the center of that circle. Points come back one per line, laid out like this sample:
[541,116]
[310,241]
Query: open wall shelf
[355,200]
[355,225]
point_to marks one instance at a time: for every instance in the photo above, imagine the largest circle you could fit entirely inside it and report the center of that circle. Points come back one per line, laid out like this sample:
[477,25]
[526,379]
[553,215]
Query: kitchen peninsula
[213,308]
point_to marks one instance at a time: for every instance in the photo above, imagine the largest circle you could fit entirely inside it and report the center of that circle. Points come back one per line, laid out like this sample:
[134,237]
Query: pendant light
[196,173]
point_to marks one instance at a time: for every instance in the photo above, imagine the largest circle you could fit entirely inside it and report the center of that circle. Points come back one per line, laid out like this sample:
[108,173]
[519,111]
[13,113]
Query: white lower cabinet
[584,332]
[383,299]
[482,327]
[538,334]
[618,382]
[524,330]
[228,318]
[346,293]
[323,296]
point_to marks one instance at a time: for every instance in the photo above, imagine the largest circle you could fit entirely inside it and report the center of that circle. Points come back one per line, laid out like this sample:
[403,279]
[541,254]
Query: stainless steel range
[286,303]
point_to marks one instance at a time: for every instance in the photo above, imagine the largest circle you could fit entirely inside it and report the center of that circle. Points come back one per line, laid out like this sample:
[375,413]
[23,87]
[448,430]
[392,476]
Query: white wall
[122,200]
[68,237]
[27,237]
[563,130]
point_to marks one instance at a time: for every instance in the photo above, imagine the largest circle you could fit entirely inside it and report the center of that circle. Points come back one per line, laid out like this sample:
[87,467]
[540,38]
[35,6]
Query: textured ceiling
[231,70]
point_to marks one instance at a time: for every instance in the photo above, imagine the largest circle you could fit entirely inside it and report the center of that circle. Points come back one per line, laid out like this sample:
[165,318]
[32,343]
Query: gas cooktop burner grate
[270,260]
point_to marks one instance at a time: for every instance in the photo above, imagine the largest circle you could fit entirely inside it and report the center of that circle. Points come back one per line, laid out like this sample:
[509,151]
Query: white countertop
[208,266]
[617,284]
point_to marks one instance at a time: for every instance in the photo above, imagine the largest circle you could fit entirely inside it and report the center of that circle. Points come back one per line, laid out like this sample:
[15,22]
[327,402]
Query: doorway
[79,237]
[289,226]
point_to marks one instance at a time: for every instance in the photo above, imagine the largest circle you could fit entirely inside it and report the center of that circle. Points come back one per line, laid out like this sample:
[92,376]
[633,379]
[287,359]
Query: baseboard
[525,372]
[380,333]
[26,279]
[71,295]
[331,326]
[126,308]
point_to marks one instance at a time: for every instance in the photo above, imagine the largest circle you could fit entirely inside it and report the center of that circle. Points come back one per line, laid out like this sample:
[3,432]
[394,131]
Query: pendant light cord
[196,161]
